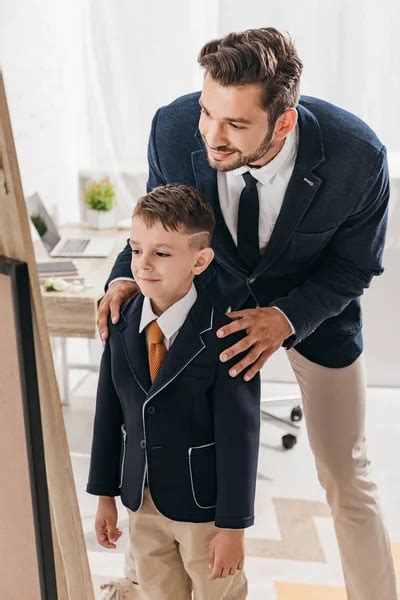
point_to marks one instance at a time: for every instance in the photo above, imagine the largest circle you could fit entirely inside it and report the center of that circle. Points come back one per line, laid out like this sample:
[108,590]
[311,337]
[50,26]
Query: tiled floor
[291,551]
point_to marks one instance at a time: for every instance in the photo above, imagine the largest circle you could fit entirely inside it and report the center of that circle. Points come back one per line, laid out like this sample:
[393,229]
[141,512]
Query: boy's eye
[162,254]
[135,251]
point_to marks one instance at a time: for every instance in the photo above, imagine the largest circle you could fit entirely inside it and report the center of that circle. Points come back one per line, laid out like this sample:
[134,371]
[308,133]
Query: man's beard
[242,160]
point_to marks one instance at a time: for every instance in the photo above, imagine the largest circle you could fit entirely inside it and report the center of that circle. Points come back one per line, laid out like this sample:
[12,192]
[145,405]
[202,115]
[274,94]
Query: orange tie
[157,349]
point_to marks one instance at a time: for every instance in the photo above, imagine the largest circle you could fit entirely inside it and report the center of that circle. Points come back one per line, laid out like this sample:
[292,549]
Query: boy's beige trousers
[172,558]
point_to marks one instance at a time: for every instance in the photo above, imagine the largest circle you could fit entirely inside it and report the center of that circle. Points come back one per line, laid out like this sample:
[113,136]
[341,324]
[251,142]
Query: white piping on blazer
[157,391]
[191,474]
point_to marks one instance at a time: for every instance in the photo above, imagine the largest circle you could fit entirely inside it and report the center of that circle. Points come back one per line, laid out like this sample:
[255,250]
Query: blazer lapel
[187,346]
[134,343]
[206,182]
[301,190]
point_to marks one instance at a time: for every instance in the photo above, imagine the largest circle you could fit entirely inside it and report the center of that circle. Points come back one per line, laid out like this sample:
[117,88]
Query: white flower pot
[100,219]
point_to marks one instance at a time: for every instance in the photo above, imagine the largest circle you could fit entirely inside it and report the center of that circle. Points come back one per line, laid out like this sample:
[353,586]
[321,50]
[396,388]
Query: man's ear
[285,123]
[204,257]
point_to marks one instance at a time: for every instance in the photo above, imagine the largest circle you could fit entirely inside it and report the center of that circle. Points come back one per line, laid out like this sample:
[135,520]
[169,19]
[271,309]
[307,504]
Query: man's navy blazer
[194,430]
[328,240]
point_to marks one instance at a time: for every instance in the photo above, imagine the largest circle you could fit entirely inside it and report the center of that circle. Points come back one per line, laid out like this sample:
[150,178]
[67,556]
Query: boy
[174,434]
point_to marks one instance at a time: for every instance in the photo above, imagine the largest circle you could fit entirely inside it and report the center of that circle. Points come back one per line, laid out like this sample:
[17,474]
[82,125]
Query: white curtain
[85,77]
[136,57]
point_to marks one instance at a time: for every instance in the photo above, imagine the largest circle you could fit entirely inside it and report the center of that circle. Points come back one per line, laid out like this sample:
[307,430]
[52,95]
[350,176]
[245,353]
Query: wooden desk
[74,314]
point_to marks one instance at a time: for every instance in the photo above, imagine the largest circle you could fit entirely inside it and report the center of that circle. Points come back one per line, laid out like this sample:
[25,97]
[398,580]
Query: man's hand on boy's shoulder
[226,553]
[118,292]
[266,329]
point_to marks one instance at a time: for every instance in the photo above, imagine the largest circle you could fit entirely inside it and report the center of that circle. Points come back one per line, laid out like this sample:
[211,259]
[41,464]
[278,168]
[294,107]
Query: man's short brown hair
[257,56]
[178,207]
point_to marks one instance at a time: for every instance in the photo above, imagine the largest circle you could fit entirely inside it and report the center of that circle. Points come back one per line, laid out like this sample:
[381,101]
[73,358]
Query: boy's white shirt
[172,319]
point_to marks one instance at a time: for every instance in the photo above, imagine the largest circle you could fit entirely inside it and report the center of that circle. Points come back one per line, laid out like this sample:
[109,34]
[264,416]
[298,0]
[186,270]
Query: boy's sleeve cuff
[228,523]
[102,490]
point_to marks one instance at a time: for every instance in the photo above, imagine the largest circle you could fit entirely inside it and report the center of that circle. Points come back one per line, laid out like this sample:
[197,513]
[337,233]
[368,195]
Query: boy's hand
[226,553]
[107,533]
[117,293]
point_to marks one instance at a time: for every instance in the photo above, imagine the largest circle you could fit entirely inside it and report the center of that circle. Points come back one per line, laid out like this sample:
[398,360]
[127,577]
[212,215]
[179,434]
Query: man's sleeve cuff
[287,319]
[121,279]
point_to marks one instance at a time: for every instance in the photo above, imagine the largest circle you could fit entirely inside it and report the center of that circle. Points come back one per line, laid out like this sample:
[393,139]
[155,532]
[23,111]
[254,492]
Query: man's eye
[235,126]
[204,112]
[162,254]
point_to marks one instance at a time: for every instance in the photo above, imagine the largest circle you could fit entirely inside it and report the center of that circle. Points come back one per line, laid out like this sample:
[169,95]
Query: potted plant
[100,203]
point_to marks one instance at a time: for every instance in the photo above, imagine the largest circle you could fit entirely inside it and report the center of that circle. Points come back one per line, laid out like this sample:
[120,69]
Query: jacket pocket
[123,452]
[203,478]
[196,371]
[306,247]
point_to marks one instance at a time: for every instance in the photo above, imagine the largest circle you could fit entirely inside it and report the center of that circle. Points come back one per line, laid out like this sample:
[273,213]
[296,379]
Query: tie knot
[154,333]
[249,180]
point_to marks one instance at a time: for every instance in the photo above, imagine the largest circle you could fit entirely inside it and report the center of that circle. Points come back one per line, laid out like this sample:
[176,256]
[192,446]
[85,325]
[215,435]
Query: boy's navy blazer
[194,430]
[328,239]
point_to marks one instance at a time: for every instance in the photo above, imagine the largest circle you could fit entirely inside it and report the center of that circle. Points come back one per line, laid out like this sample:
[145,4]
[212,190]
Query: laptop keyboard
[75,246]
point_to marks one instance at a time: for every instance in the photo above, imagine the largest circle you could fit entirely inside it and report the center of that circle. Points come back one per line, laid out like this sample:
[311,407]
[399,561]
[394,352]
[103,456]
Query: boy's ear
[204,257]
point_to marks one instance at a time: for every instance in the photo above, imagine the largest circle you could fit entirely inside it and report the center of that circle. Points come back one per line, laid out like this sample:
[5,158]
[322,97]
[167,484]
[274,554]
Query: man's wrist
[131,279]
[292,329]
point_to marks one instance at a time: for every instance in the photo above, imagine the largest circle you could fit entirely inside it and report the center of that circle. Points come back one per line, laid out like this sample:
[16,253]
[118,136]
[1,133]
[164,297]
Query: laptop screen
[42,221]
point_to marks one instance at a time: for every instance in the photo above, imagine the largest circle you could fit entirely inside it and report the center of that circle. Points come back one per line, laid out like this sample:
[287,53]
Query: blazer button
[143,444]
[151,410]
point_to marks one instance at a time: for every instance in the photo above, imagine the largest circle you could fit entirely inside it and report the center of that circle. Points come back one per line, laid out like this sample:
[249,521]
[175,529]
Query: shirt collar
[173,318]
[287,154]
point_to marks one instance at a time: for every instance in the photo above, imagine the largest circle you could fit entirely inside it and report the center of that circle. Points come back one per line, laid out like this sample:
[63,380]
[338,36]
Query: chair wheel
[288,441]
[296,414]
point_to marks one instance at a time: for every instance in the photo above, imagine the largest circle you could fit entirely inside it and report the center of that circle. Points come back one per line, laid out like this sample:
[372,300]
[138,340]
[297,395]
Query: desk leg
[60,359]
[64,372]
[63,367]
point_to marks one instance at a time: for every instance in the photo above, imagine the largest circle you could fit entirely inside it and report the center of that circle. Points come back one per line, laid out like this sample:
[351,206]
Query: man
[300,191]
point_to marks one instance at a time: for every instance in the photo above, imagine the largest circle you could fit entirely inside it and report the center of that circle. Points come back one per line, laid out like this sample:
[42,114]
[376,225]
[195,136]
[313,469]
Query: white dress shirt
[272,182]
[172,319]
[272,178]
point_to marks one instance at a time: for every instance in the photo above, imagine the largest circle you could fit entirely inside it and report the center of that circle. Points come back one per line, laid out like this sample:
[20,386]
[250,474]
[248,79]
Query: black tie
[247,229]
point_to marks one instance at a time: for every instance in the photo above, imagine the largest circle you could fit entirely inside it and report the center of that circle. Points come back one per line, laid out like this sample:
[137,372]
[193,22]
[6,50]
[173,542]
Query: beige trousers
[172,558]
[334,409]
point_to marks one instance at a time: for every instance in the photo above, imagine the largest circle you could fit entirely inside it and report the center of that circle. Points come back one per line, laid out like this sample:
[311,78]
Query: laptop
[58,246]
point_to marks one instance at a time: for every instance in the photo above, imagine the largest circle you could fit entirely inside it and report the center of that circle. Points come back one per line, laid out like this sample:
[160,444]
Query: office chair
[296,415]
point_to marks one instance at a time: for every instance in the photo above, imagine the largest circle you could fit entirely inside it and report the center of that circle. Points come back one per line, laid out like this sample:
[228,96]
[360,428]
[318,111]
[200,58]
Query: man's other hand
[266,329]
[117,293]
